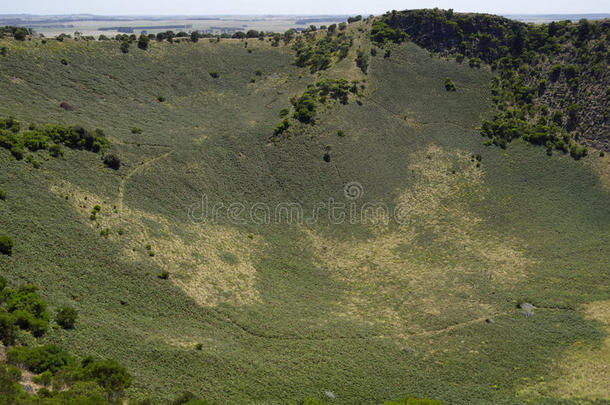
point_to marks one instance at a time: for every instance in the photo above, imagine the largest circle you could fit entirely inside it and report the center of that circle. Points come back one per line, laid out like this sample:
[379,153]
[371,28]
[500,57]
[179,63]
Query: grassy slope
[298,310]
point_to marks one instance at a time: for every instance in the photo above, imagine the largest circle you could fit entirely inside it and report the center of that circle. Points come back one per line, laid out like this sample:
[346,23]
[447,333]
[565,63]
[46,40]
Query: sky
[365,7]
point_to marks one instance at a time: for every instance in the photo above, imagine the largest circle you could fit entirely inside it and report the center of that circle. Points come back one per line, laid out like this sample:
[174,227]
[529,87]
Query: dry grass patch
[433,265]
[194,254]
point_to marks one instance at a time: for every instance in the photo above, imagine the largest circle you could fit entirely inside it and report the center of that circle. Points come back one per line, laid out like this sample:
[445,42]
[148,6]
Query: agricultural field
[491,287]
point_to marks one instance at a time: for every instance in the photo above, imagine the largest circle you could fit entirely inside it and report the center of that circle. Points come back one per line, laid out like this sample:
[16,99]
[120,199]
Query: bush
[341,133]
[214,74]
[136,130]
[39,359]
[7,329]
[66,317]
[56,151]
[164,275]
[112,161]
[143,42]
[362,61]
[2,195]
[111,376]
[20,34]
[124,46]
[449,85]
[578,151]
[6,245]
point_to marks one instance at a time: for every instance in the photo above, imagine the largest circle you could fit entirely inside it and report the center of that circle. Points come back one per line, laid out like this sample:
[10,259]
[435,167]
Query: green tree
[143,42]
[20,34]
[110,375]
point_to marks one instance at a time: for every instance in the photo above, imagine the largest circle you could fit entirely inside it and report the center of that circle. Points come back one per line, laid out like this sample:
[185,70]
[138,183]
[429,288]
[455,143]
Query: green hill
[257,312]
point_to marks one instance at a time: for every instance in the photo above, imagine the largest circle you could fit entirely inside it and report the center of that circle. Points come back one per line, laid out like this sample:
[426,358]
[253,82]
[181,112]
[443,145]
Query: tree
[124,46]
[252,34]
[143,42]
[110,375]
[20,34]
[66,317]
[194,36]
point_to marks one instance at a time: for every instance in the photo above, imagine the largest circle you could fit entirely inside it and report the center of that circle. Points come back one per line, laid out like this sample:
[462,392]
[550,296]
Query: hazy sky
[365,7]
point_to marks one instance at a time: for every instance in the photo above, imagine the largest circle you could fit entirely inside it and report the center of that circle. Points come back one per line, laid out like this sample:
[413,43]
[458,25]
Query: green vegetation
[449,85]
[112,161]
[6,245]
[48,137]
[66,317]
[319,52]
[522,55]
[350,313]
[306,106]
[362,61]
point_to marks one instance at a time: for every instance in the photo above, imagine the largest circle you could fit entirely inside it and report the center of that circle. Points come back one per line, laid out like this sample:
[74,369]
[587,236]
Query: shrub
[6,245]
[341,133]
[163,275]
[7,329]
[66,317]
[56,151]
[143,42]
[578,151]
[112,161]
[199,346]
[40,358]
[136,130]
[160,99]
[64,61]
[474,62]
[20,34]
[2,195]
[111,376]
[449,85]
[124,46]
[43,379]
[362,61]
[281,128]
[3,51]
[459,58]
[387,53]
[214,74]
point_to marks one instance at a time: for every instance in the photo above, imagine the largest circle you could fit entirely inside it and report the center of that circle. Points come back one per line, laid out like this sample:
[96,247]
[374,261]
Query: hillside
[273,311]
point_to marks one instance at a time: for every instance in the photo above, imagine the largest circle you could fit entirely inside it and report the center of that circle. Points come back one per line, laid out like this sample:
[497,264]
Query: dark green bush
[163,275]
[214,74]
[6,245]
[112,161]
[124,46]
[449,85]
[66,317]
[40,358]
[7,329]
[136,130]
[2,195]
[20,34]
[143,42]
[362,61]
